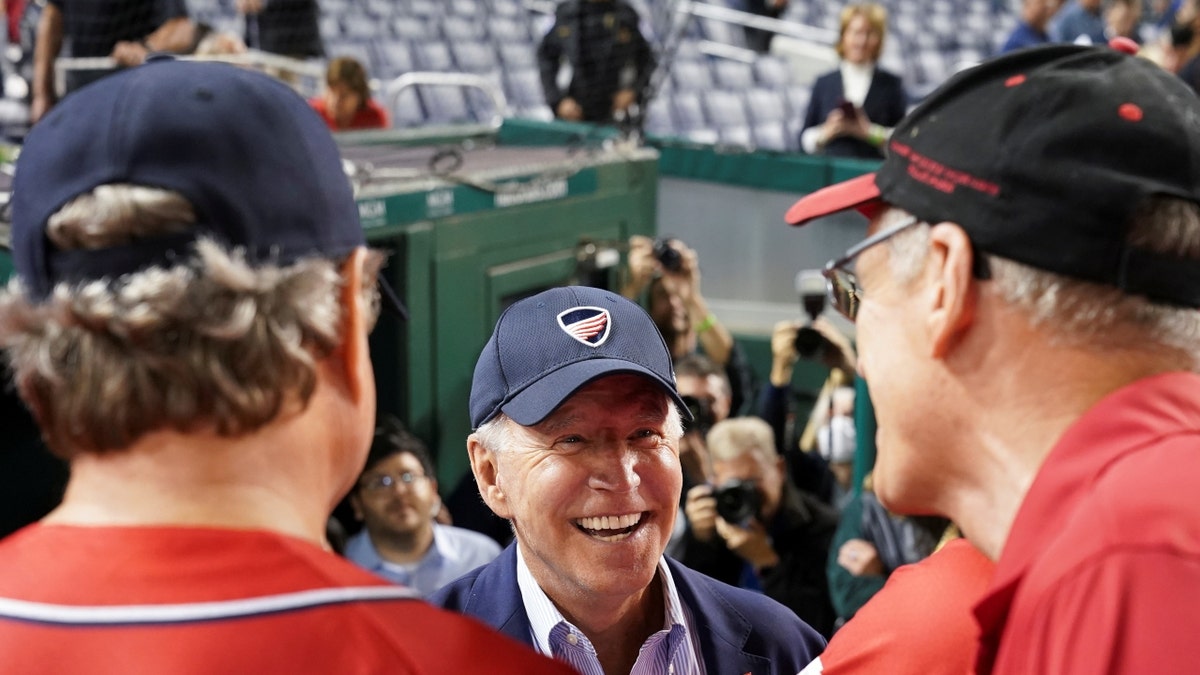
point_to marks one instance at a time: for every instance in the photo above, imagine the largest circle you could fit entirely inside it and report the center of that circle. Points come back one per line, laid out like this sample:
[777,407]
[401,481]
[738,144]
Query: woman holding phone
[852,109]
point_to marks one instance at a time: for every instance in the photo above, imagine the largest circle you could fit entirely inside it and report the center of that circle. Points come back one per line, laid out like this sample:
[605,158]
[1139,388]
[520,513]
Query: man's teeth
[609,522]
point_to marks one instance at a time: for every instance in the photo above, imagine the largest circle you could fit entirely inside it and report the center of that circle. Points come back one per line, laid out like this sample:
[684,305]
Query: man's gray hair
[734,437]
[212,343]
[1084,313]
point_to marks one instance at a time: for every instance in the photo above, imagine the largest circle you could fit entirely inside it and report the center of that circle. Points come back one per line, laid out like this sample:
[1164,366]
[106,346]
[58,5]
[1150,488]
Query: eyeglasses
[382,482]
[842,283]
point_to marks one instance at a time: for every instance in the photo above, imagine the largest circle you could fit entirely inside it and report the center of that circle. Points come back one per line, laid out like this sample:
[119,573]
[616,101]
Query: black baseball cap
[548,346]
[1043,156]
[259,166]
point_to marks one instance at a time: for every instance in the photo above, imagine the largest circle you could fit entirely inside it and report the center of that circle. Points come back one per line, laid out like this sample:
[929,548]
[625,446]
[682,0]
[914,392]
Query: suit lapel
[496,598]
[721,629]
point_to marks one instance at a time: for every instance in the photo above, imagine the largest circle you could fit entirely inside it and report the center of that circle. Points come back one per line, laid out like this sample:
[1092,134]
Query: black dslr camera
[737,501]
[668,255]
[810,285]
[702,415]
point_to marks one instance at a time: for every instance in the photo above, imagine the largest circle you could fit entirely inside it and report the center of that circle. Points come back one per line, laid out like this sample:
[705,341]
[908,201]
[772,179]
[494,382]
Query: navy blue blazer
[739,631]
[885,105]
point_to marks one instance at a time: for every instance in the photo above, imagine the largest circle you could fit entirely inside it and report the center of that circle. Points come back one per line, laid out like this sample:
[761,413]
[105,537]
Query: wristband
[708,322]
[877,135]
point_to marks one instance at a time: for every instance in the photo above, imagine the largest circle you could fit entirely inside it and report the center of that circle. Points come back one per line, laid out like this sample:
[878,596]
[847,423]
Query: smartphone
[848,109]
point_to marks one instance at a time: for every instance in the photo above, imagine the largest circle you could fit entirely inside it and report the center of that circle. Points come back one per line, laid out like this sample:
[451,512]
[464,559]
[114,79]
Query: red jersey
[1101,569]
[184,600]
[919,623]
[370,116]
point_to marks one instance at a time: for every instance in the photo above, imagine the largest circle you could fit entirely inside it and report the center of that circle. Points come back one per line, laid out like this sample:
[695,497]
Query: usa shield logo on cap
[589,325]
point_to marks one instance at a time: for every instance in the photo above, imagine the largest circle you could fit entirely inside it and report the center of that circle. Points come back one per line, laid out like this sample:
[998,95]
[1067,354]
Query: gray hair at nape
[213,342]
[1084,313]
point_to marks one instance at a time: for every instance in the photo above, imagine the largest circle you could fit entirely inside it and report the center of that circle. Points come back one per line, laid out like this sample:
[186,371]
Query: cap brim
[859,193]
[535,402]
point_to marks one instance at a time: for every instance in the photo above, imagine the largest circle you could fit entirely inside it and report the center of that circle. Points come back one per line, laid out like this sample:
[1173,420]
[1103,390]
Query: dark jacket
[801,534]
[605,49]
[739,631]
[885,105]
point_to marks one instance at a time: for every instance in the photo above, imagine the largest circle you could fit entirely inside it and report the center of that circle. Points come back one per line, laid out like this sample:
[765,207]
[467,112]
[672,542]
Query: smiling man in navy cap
[1027,320]
[577,425]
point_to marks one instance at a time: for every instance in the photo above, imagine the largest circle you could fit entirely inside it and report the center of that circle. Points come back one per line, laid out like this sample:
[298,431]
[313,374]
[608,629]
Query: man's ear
[953,295]
[353,352]
[487,477]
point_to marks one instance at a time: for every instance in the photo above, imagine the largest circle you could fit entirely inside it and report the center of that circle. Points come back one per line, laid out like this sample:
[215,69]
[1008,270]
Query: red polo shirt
[370,116]
[1101,570]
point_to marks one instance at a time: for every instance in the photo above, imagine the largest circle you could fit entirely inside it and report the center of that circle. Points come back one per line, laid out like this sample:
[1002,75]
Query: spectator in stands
[1080,22]
[1123,18]
[852,110]
[346,103]
[809,470]
[209,41]
[576,423]
[188,323]
[782,540]
[705,389]
[1031,31]
[1043,310]
[608,58]
[919,623]
[285,27]
[837,439]
[124,30]
[757,39]
[669,272]
[396,498]
[870,544]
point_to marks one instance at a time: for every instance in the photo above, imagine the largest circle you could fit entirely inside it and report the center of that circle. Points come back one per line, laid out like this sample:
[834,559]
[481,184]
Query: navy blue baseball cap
[259,166]
[547,346]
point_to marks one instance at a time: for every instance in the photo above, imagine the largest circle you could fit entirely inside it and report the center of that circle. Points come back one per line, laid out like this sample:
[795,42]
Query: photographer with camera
[666,273]
[753,528]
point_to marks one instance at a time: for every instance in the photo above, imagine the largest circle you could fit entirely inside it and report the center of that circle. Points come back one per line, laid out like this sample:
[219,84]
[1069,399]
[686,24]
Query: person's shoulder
[828,78]
[477,541]
[460,593]
[888,77]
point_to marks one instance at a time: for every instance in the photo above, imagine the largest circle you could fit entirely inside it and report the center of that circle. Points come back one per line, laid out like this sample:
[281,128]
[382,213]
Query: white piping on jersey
[115,615]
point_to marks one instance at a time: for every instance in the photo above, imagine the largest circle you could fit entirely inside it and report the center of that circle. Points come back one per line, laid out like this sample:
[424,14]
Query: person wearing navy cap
[577,423]
[188,324]
[1026,304]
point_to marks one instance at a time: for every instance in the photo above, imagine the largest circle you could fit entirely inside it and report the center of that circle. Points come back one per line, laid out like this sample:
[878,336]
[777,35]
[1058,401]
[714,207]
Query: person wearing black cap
[1027,319]
[577,423]
[188,324]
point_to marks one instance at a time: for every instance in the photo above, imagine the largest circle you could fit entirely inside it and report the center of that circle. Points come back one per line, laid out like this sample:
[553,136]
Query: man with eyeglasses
[396,499]
[1027,321]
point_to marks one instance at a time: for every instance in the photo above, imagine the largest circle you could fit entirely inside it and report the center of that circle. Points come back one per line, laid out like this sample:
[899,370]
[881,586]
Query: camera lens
[737,501]
[810,344]
[669,256]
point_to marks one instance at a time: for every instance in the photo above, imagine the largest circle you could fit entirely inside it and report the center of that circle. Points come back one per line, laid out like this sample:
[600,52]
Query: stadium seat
[433,56]
[771,136]
[357,50]
[724,109]
[393,59]
[771,71]
[459,28]
[766,106]
[360,27]
[658,118]
[407,110]
[518,55]
[507,31]
[525,88]
[733,75]
[689,113]
[692,76]
[445,105]
[413,29]
[474,57]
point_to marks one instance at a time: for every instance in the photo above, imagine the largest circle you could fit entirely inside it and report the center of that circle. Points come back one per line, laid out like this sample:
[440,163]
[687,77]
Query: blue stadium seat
[692,76]
[381,9]
[771,71]
[771,136]
[506,8]
[457,28]
[433,56]
[474,57]
[689,113]
[413,29]
[393,58]
[525,88]
[445,105]
[733,75]
[797,98]
[360,27]
[658,118]
[506,31]
[518,55]
[766,106]
[724,109]
[426,8]
[407,110]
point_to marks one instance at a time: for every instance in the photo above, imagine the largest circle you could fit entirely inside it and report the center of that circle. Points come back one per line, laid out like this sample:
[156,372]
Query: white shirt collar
[544,616]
